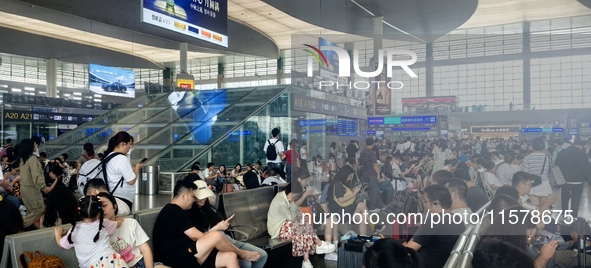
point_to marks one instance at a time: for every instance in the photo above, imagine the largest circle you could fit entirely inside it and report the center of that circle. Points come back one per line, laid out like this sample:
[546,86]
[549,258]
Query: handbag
[537,179]
[555,176]
[347,192]
[38,260]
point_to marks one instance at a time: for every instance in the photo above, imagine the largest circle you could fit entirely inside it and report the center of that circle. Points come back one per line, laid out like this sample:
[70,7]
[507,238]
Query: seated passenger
[207,219]
[568,257]
[489,179]
[284,221]
[96,186]
[60,202]
[440,177]
[458,190]
[129,239]
[342,196]
[301,192]
[496,253]
[519,234]
[475,197]
[434,243]
[523,183]
[272,178]
[177,243]
[389,253]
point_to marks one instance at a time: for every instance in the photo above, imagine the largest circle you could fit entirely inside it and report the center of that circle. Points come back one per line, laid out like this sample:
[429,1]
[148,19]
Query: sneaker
[333,256]
[325,248]
[307,264]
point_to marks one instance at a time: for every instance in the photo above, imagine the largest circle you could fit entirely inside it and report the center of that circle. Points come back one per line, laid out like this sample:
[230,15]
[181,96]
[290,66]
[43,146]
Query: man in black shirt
[177,243]
[434,243]
[371,173]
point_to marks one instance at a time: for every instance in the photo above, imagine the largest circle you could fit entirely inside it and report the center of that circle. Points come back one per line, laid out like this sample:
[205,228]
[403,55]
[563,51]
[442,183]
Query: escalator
[72,141]
[172,129]
[180,142]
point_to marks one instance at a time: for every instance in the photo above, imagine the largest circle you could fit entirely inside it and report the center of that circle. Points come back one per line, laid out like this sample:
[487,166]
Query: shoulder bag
[555,176]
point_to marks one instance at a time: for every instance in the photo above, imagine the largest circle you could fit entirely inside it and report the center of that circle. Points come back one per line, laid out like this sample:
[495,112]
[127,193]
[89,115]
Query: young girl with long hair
[90,238]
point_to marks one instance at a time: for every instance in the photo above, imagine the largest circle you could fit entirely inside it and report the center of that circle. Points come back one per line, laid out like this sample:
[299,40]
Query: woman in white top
[538,163]
[440,154]
[121,176]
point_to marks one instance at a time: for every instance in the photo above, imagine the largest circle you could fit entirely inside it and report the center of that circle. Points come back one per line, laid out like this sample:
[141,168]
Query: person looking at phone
[342,195]
[178,243]
[207,218]
[121,176]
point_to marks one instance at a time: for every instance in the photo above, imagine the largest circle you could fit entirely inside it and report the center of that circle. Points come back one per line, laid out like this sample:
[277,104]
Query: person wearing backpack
[274,151]
[120,177]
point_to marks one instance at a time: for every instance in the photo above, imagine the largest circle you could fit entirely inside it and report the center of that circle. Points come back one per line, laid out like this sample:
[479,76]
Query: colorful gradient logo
[317,55]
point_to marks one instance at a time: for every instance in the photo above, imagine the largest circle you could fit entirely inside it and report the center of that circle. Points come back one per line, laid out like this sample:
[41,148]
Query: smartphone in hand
[230,218]
[144,160]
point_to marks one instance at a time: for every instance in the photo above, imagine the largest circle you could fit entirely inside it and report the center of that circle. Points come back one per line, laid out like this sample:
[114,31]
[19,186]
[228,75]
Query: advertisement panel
[203,19]
[111,81]
[202,107]
[382,98]
[330,69]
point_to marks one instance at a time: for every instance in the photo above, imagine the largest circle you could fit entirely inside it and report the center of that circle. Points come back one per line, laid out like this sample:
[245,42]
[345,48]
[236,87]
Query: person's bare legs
[226,260]
[542,200]
[362,208]
[218,241]
[331,231]
[535,200]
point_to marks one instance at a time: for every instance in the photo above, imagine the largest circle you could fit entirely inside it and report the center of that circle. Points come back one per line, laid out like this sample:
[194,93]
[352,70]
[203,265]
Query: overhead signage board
[203,19]
[542,130]
[397,120]
[429,100]
[495,129]
[28,116]
[304,103]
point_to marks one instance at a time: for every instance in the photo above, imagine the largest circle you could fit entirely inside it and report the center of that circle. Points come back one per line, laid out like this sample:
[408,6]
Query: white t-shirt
[86,169]
[303,152]
[87,251]
[117,168]
[278,147]
[491,179]
[273,179]
[127,239]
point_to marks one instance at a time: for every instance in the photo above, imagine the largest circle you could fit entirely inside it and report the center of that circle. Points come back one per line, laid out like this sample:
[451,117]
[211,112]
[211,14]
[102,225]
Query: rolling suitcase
[351,255]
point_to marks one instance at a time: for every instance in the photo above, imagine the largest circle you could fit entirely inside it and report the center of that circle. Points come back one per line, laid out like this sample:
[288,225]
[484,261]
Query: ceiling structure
[498,12]
[112,32]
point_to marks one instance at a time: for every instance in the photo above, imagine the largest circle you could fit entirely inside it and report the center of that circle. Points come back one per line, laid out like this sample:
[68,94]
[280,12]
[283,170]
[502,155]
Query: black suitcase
[351,256]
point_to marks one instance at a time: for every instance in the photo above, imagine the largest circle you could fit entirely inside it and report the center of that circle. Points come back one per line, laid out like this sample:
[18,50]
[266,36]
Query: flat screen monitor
[203,19]
[111,81]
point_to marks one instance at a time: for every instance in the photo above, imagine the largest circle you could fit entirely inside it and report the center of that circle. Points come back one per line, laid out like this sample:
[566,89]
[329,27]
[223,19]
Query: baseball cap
[202,191]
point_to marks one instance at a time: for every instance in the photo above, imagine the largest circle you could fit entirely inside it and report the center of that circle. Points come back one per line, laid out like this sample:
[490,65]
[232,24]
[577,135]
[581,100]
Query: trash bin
[138,185]
[149,180]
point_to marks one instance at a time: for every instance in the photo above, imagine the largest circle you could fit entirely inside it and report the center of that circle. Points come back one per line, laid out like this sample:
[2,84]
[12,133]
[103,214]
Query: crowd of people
[444,176]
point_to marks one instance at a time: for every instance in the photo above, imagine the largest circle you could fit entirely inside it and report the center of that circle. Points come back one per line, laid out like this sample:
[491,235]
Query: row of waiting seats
[250,208]
[462,252]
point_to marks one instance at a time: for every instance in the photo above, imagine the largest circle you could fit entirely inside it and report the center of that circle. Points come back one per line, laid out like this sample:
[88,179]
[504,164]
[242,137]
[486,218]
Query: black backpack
[271,150]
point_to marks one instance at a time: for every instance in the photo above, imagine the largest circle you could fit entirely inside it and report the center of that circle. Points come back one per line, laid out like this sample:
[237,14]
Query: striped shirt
[533,163]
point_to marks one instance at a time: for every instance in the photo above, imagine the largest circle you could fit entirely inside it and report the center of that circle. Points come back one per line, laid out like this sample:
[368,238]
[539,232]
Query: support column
[430,91]
[350,91]
[184,48]
[51,78]
[280,70]
[526,67]
[220,75]
[378,40]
